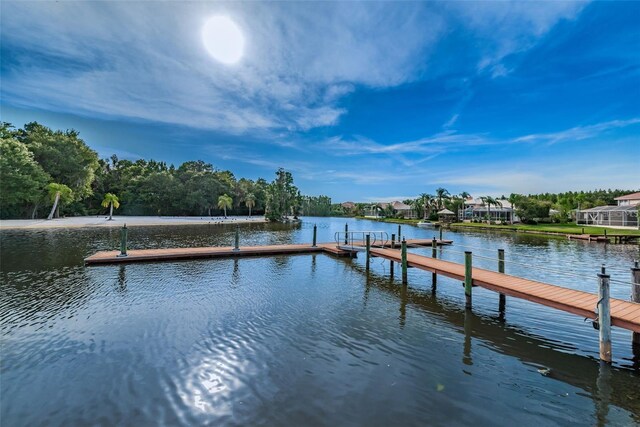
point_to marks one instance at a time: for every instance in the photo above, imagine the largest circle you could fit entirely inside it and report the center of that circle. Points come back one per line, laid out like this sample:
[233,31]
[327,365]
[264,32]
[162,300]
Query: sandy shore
[118,221]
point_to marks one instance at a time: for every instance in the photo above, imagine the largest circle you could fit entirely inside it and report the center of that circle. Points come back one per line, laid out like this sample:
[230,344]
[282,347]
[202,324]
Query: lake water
[301,340]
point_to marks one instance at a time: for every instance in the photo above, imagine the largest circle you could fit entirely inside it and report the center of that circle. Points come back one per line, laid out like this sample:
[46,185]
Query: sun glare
[223,39]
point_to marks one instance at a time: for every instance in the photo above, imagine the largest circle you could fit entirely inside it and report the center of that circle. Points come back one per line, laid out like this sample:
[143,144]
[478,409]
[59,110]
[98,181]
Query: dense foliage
[40,167]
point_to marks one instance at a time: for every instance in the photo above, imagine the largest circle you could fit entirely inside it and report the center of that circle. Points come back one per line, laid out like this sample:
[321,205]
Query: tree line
[45,171]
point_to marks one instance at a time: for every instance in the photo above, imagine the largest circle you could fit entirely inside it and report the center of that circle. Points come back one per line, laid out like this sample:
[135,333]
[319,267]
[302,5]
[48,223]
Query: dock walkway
[624,314]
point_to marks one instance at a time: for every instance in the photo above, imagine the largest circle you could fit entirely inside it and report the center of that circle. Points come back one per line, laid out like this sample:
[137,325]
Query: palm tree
[250,202]
[112,201]
[225,202]
[57,192]
[427,201]
[490,201]
[441,194]
[513,199]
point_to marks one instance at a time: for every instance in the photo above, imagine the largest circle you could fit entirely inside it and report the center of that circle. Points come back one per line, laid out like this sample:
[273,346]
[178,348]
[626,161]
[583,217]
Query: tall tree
[22,180]
[282,196]
[63,155]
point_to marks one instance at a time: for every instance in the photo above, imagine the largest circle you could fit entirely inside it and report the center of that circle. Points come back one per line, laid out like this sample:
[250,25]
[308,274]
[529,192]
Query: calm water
[300,340]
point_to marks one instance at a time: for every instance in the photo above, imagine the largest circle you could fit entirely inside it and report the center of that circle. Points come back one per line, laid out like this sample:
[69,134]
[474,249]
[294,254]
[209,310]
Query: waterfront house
[624,214]
[477,210]
[399,209]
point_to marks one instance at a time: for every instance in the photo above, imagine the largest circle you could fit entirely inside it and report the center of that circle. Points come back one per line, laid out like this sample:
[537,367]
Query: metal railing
[356,240]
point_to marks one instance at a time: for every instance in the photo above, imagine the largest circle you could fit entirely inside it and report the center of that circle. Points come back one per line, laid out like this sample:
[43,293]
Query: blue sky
[361,101]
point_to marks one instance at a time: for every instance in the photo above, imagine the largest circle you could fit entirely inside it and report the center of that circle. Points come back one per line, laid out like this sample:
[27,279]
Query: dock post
[237,239]
[635,297]
[404,261]
[434,254]
[503,299]
[604,316]
[440,232]
[346,233]
[467,279]
[315,233]
[123,241]
[368,248]
[399,232]
[393,245]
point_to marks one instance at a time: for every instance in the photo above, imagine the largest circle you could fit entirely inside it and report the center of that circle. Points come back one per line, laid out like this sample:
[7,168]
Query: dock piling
[399,232]
[393,246]
[503,299]
[440,232]
[434,254]
[368,249]
[604,316]
[236,246]
[315,233]
[123,241]
[635,297]
[467,279]
[346,233]
[404,261]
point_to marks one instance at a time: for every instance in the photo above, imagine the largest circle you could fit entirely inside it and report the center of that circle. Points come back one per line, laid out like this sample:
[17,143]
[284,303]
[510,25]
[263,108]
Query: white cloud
[145,60]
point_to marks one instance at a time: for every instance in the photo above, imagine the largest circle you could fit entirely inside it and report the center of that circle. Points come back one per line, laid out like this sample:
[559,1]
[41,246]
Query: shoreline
[118,221]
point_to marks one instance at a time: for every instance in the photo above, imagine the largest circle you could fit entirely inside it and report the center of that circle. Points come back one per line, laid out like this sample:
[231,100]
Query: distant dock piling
[123,241]
[635,297]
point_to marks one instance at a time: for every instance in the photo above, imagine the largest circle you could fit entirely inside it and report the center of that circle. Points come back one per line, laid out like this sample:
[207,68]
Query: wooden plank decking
[624,314]
[147,255]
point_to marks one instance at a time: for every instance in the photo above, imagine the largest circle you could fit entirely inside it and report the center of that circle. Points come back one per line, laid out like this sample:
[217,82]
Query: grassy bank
[548,228]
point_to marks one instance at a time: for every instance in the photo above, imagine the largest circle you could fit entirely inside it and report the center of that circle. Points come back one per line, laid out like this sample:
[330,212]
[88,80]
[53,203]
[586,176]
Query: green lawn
[551,228]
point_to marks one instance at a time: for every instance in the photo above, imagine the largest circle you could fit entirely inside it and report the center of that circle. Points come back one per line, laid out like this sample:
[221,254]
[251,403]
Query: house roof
[478,202]
[445,212]
[401,206]
[632,196]
[610,208]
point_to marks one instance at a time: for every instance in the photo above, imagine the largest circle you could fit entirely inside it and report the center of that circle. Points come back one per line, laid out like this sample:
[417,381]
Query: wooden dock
[588,237]
[624,314]
[152,255]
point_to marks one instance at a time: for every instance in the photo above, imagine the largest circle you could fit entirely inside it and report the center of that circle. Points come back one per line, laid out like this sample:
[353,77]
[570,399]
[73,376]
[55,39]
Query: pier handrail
[357,239]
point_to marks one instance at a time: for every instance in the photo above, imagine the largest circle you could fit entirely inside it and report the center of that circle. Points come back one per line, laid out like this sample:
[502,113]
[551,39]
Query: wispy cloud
[450,141]
[577,133]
